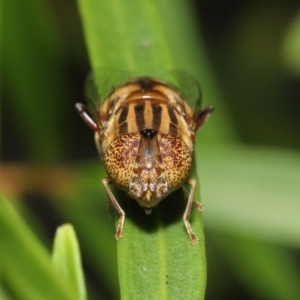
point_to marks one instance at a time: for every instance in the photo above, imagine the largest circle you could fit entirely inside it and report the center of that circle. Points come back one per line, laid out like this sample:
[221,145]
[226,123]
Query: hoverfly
[145,131]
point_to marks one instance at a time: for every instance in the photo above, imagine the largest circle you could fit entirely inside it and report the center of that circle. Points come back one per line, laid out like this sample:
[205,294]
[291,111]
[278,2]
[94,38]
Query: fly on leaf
[145,131]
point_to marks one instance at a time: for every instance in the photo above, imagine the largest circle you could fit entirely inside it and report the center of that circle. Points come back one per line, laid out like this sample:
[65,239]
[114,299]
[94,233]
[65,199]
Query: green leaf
[291,45]
[251,195]
[155,257]
[66,259]
[4,295]
[34,77]
[278,274]
[251,190]
[25,265]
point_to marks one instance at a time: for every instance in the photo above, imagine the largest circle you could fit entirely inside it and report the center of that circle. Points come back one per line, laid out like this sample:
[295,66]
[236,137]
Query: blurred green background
[250,171]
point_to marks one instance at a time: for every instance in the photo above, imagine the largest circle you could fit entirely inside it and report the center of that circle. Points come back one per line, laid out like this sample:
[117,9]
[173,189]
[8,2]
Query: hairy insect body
[145,133]
[145,140]
[133,108]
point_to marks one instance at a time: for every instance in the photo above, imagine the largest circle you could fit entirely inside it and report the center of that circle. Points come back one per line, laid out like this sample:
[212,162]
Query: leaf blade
[255,187]
[156,253]
[66,259]
[25,263]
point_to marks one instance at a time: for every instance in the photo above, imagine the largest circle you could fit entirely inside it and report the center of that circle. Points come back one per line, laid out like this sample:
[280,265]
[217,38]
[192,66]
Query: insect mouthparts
[148,133]
[148,211]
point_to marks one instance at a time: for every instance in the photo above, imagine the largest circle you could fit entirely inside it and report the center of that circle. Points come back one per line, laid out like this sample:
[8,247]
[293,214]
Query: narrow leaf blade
[66,259]
[25,263]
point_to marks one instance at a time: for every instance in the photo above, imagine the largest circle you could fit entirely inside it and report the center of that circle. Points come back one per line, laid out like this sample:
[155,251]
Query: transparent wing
[187,86]
[101,83]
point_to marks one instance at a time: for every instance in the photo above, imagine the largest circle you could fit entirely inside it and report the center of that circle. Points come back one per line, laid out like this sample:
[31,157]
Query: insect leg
[86,116]
[191,202]
[203,116]
[117,206]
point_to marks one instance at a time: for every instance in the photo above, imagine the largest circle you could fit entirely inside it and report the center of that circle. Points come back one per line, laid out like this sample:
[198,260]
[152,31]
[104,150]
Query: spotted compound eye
[120,158]
[177,159]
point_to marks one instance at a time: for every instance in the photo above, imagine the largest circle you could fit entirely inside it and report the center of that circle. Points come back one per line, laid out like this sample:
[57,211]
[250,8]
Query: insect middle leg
[112,198]
[190,204]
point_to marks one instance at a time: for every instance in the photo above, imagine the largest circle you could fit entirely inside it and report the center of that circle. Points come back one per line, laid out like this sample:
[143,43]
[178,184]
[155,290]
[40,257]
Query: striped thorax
[144,132]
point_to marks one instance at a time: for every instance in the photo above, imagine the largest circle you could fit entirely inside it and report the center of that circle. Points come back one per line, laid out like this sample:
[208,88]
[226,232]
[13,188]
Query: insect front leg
[86,116]
[203,116]
[190,204]
[112,198]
